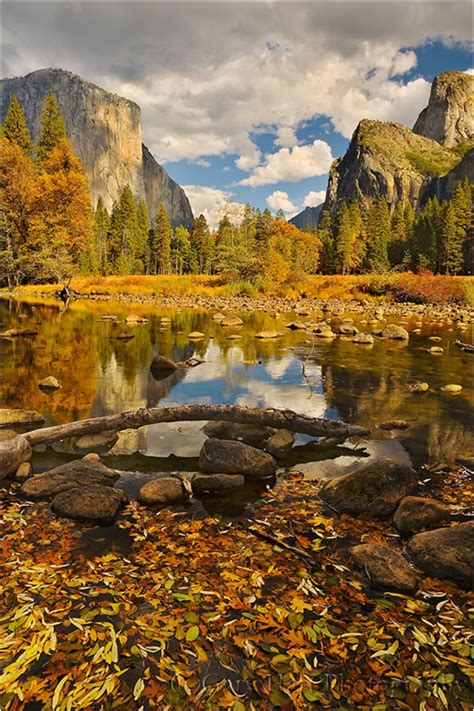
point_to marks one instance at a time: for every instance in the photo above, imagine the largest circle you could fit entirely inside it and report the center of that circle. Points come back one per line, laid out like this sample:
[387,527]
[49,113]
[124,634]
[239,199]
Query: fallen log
[466,347]
[133,419]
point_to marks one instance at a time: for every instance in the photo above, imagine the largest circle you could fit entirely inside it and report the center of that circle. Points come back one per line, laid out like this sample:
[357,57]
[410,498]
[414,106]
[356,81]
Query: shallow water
[364,385]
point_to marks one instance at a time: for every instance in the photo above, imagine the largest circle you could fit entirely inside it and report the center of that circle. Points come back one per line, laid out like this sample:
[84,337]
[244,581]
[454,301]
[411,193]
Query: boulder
[418,388]
[296,326]
[49,384]
[323,330]
[95,503]
[231,321]
[415,514]
[23,472]
[196,335]
[269,334]
[363,338]
[385,568]
[20,420]
[14,450]
[393,425]
[96,443]
[227,457]
[375,490]
[445,553]
[162,366]
[162,490]
[280,442]
[392,331]
[436,350]
[452,389]
[347,329]
[78,473]
[215,483]
[250,434]
[133,318]
[218,316]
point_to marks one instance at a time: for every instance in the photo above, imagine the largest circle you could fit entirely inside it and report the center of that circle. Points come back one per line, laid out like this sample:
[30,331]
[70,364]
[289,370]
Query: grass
[423,287]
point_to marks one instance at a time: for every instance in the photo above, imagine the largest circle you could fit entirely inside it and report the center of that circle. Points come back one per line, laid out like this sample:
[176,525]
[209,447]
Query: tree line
[49,229]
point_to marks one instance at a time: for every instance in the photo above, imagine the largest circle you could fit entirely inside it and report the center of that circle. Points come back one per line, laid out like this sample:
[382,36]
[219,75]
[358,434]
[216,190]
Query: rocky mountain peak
[449,116]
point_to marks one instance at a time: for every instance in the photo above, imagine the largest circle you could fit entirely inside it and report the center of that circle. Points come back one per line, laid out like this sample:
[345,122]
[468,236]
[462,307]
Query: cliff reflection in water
[101,374]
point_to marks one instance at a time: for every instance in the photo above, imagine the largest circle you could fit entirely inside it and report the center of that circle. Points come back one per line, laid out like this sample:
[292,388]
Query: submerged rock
[365,338]
[78,473]
[96,443]
[250,434]
[224,456]
[269,334]
[415,514]
[445,553]
[385,568]
[162,490]
[162,366]
[375,490]
[215,483]
[95,503]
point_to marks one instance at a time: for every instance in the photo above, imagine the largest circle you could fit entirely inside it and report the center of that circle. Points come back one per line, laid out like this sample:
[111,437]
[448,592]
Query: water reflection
[101,374]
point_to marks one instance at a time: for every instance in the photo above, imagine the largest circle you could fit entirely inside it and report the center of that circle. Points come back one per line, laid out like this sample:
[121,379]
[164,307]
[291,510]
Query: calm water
[360,384]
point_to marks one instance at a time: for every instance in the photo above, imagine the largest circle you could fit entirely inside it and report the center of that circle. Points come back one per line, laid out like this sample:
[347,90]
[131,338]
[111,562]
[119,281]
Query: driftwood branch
[278,419]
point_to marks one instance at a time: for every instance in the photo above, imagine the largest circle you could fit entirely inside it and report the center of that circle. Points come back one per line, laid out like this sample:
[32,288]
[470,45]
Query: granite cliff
[391,160]
[105,131]
[307,218]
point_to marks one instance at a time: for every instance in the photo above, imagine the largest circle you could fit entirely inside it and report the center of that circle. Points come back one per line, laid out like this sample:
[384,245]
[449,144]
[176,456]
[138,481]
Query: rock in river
[269,334]
[418,388]
[78,473]
[250,434]
[386,568]
[280,443]
[375,490]
[224,456]
[392,331]
[365,338]
[95,503]
[98,443]
[49,384]
[14,450]
[215,483]
[415,514]
[20,420]
[162,490]
[452,389]
[393,425]
[445,553]
[162,366]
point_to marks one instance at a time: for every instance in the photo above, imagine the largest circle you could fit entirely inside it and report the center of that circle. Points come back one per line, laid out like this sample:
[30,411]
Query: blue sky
[248,101]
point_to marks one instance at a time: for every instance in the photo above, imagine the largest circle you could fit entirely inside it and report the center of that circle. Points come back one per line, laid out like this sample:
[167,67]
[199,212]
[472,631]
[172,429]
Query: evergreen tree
[160,247]
[181,253]
[262,230]
[144,227]
[102,226]
[201,243]
[328,246]
[424,244]
[15,127]
[451,240]
[52,129]
[378,236]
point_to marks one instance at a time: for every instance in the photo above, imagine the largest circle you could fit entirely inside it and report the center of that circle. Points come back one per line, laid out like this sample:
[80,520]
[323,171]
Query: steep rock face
[105,131]
[449,116]
[308,218]
[390,160]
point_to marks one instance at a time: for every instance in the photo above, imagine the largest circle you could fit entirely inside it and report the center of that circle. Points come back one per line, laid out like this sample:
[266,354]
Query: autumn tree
[15,127]
[52,128]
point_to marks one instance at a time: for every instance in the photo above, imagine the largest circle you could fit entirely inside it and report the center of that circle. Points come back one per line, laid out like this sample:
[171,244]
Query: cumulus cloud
[314,198]
[214,204]
[292,164]
[279,200]
[209,76]
[286,137]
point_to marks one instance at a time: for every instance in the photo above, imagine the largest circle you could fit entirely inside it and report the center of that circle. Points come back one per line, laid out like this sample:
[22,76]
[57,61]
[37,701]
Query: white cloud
[286,137]
[201,162]
[314,198]
[214,204]
[248,160]
[292,164]
[470,70]
[279,200]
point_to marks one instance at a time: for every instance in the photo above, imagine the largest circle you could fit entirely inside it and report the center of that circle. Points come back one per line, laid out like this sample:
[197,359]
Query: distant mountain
[308,218]
[391,160]
[105,131]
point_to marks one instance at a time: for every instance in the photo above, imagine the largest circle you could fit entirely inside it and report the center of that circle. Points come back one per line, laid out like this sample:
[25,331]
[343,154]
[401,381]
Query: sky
[248,101]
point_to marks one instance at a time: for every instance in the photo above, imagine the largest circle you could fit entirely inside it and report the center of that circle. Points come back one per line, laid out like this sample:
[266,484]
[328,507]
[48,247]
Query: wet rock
[385,568]
[23,472]
[133,318]
[445,553]
[14,450]
[452,389]
[109,317]
[419,388]
[20,419]
[49,384]
[436,339]
[215,483]
[323,330]
[250,434]
[78,473]
[393,425]
[163,490]
[363,338]
[375,490]
[234,337]
[269,334]
[218,316]
[196,335]
[346,329]
[96,443]
[92,457]
[228,457]
[161,366]
[392,331]
[436,350]
[18,332]
[296,326]
[230,321]
[95,503]
[125,336]
[280,443]
[415,514]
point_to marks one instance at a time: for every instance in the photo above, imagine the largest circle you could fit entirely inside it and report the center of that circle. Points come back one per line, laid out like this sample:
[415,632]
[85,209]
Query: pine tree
[160,247]
[15,127]
[181,251]
[344,238]
[102,226]
[262,230]
[201,244]
[328,247]
[144,227]
[378,236]
[52,128]
[452,241]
